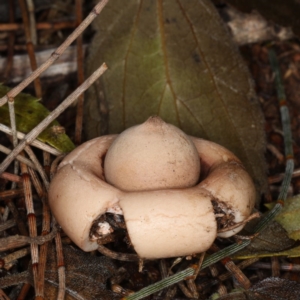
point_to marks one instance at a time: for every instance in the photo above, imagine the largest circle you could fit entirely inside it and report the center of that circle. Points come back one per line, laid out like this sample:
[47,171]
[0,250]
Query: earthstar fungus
[174,191]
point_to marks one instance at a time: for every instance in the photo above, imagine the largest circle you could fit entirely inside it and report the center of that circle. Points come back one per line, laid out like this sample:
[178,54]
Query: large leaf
[176,60]
[29,113]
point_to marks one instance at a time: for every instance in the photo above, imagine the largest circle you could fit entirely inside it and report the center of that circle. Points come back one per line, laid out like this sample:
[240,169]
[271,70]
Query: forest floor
[57,87]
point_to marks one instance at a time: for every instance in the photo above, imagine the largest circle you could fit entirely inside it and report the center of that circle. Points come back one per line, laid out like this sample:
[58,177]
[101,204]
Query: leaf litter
[269,287]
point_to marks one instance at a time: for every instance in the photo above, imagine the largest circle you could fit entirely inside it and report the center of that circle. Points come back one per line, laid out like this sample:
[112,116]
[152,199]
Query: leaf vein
[166,62]
[134,27]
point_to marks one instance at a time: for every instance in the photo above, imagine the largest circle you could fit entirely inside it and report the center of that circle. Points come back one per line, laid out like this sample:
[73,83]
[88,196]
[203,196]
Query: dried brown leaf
[273,238]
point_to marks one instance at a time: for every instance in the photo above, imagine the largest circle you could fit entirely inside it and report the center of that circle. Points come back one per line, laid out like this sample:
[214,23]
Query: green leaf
[29,113]
[289,217]
[176,60]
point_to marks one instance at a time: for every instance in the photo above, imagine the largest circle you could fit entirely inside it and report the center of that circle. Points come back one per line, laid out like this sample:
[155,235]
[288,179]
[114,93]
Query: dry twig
[35,143]
[80,77]
[31,223]
[30,48]
[86,22]
[20,158]
[32,135]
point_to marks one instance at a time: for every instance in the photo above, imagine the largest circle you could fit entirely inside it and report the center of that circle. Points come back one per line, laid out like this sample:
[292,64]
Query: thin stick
[32,135]
[86,22]
[80,77]
[11,177]
[55,25]
[251,217]
[117,255]
[278,177]
[47,163]
[24,291]
[31,217]
[17,241]
[33,34]
[61,268]
[12,118]
[191,282]
[30,48]
[237,273]
[185,290]
[242,265]
[10,194]
[37,183]
[222,290]
[44,247]
[35,143]
[15,255]
[19,221]
[276,152]
[199,265]
[11,42]
[38,166]
[20,158]
[214,271]
[7,224]
[5,214]
[283,266]
[192,288]
[275,266]
[3,296]
[45,231]
[54,165]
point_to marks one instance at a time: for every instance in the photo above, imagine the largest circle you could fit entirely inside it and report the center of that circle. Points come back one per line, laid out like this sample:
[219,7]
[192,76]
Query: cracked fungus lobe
[78,194]
[168,219]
